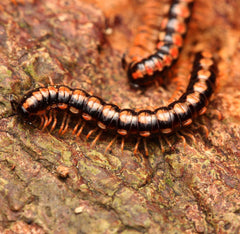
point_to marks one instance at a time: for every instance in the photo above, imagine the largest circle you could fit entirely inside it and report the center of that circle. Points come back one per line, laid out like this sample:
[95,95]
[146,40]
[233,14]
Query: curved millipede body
[141,70]
[47,102]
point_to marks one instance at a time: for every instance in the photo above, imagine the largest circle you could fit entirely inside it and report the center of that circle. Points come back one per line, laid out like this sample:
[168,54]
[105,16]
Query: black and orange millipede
[50,102]
[143,69]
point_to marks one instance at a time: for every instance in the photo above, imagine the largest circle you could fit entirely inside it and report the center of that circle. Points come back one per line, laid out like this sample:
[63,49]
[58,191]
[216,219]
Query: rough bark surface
[58,184]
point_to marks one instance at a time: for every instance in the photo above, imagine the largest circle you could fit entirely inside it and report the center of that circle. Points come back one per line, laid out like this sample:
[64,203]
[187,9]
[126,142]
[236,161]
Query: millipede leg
[46,120]
[218,113]
[110,144]
[91,132]
[80,130]
[41,84]
[66,125]
[50,80]
[183,139]
[161,144]
[96,138]
[62,124]
[203,111]
[54,122]
[50,118]
[76,127]
[168,142]
[136,146]
[145,146]
[42,122]
[205,129]
[189,135]
[122,144]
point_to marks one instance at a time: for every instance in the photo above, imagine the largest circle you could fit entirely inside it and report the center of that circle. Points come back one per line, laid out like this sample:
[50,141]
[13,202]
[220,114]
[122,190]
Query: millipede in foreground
[142,69]
[49,102]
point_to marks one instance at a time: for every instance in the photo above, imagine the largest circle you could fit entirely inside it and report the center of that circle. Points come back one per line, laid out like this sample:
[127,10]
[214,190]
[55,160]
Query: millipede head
[17,107]
[14,102]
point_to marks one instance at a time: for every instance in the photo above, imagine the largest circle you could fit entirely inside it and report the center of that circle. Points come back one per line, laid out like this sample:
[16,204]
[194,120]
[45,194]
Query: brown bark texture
[59,184]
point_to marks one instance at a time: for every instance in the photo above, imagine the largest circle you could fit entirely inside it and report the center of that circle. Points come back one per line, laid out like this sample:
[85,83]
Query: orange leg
[136,146]
[50,80]
[218,114]
[122,144]
[110,144]
[189,135]
[205,129]
[202,111]
[183,139]
[76,127]
[54,122]
[168,142]
[66,125]
[81,129]
[161,144]
[45,122]
[91,132]
[40,84]
[42,121]
[96,138]
[50,118]
[145,146]
[63,123]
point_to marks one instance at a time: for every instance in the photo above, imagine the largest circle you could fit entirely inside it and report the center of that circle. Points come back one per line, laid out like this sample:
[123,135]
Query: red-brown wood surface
[59,184]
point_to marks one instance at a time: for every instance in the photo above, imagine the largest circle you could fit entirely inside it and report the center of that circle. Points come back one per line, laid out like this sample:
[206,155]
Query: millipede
[47,103]
[142,69]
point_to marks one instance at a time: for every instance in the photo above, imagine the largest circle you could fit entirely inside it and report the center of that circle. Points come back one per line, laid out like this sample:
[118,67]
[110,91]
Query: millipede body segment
[142,70]
[47,102]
